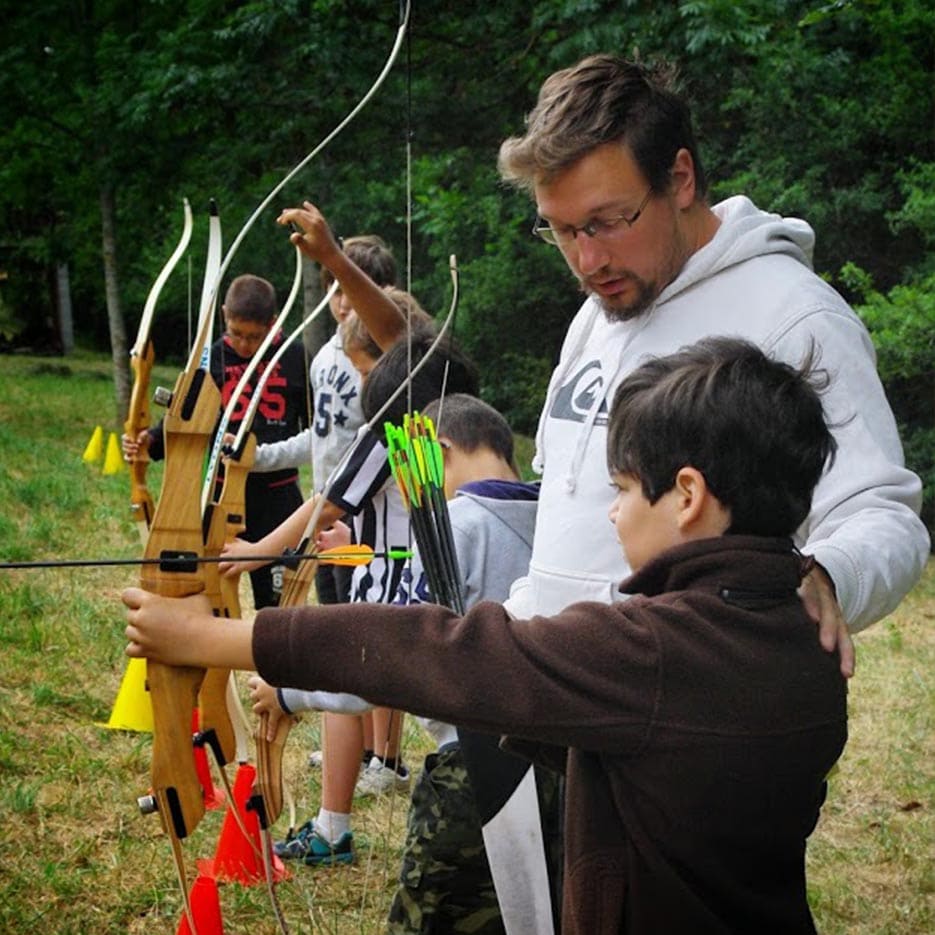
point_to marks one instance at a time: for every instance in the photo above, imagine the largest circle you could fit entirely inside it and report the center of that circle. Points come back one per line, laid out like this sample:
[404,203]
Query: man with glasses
[609,157]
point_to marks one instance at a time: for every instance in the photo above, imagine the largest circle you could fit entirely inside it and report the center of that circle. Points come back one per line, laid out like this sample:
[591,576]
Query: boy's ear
[692,497]
[699,513]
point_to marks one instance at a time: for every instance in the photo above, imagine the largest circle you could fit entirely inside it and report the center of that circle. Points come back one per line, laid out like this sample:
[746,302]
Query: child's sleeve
[291,452]
[361,474]
[295,700]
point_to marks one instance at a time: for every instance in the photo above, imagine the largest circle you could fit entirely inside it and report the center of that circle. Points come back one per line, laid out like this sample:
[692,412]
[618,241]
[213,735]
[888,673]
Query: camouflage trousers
[445,887]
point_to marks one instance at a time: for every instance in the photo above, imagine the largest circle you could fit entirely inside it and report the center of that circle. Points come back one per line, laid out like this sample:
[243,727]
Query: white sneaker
[378,779]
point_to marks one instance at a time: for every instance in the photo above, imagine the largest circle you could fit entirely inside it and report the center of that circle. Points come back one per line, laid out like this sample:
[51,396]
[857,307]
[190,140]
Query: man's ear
[683,179]
[692,497]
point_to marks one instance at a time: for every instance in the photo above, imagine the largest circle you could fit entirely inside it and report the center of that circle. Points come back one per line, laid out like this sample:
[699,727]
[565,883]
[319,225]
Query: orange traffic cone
[213,795]
[206,909]
[239,857]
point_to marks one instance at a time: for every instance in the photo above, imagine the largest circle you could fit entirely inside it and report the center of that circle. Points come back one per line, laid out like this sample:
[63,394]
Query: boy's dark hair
[754,427]
[372,255]
[471,424]
[251,298]
[604,99]
[447,370]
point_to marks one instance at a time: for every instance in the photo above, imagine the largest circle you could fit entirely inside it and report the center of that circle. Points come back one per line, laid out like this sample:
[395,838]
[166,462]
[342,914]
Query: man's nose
[592,255]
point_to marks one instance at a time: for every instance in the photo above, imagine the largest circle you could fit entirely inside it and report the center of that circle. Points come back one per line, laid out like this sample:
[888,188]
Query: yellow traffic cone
[113,460]
[133,709]
[95,448]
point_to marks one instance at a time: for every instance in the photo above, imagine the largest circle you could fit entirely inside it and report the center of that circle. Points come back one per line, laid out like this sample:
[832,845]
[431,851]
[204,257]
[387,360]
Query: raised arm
[376,309]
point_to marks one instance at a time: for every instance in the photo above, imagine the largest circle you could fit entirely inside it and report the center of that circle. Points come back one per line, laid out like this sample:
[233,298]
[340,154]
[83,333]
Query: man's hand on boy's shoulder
[821,604]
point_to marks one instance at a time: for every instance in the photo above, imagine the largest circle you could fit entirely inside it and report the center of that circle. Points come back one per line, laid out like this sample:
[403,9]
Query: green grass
[76,856]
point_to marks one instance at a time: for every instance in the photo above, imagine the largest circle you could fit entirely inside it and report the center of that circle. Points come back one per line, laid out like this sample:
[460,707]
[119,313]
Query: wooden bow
[223,518]
[142,355]
[176,529]
[178,525]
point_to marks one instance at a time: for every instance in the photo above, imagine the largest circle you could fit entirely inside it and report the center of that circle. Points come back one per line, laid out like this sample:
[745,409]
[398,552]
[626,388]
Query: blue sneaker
[322,853]
[297,843]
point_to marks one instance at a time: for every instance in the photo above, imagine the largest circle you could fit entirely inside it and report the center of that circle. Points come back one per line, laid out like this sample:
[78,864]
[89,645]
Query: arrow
[174,560]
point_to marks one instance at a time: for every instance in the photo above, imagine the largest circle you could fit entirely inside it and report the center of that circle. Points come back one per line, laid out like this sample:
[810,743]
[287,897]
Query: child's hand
[265,701]
[314,237]
[133,447]
[237,553]
[334,537]
[165,629]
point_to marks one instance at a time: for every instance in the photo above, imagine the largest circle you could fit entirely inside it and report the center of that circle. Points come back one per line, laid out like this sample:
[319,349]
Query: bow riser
[267,799]
[226,521]
[296,583]
[177,525]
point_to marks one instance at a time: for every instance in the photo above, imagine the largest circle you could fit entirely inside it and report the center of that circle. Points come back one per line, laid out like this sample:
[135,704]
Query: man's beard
[646,294]
[647,290]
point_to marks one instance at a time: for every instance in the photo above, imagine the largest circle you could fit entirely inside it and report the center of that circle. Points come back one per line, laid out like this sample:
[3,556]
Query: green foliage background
[824,110]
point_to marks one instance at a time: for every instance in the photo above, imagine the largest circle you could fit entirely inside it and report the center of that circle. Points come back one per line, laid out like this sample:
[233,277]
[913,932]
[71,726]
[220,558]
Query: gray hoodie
[752,280]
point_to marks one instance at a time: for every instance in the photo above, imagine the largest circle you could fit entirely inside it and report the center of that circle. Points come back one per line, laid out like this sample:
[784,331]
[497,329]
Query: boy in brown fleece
[700,716]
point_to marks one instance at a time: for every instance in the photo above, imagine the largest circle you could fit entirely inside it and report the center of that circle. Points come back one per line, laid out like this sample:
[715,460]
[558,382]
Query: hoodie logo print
[574,399]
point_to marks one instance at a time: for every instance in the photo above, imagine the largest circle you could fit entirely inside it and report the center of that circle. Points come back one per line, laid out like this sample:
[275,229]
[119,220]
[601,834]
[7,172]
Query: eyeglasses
[597,228]
[256,337]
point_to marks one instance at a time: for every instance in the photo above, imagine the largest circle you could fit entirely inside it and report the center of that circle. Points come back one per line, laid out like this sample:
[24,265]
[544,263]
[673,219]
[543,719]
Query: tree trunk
[321,329]
[118,333]
[66,330]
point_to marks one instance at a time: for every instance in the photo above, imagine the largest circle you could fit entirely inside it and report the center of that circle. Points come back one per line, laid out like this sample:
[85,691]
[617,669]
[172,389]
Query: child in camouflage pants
[445,882]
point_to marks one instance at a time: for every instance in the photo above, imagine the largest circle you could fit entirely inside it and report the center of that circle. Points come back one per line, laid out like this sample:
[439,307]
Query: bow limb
[264,204]
[142,506]
[209,285]
[211,473]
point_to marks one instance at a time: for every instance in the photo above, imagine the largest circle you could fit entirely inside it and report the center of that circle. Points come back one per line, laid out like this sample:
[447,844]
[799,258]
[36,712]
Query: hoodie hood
[507,502]
[744,232]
